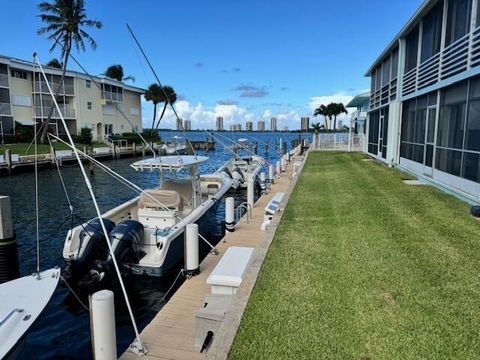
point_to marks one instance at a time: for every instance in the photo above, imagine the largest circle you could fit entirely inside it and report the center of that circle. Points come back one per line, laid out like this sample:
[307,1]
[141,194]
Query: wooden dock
[171,334]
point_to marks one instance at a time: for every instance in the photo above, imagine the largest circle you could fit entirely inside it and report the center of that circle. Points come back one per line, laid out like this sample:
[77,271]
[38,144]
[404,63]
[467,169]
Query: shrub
[24,133]
[85,136]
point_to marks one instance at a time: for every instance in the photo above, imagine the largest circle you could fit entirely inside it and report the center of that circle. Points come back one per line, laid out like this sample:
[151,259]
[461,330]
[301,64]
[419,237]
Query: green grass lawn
[366,267]
[21,148]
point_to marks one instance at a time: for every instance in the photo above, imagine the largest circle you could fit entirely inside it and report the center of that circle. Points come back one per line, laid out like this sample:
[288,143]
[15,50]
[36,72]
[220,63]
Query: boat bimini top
[173,162]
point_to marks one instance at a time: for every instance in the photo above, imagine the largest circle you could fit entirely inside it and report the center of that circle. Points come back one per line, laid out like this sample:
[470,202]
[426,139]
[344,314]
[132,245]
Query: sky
[243,60]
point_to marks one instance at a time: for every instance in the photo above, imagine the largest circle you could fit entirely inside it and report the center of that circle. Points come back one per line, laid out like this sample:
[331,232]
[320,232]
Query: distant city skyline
[214,72]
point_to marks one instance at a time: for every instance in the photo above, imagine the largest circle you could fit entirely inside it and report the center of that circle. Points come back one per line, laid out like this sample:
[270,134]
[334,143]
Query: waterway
[63,330]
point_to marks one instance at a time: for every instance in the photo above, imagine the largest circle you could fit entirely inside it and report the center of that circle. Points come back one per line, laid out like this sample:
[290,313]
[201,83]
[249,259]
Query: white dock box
[271,209]
[230,271]
[209,318]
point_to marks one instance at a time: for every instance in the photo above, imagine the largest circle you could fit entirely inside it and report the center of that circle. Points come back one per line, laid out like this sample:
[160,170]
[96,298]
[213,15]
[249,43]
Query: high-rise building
[249,126]
[273,124]
[219,123]
[235,127]
[305,123]
[187,125]
[179,124]
[261,125]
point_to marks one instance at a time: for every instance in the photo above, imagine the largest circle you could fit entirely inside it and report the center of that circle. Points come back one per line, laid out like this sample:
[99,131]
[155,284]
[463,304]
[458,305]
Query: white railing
[457,57]
[3,80]
[111,96]
[359,115]
[338,141]
[5,109]
[41,86]
[67,112]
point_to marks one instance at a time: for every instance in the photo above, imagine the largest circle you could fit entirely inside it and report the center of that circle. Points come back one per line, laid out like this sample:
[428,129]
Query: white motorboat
[244,144]
[240,169]
[175,147]
[21,303]
[147,232]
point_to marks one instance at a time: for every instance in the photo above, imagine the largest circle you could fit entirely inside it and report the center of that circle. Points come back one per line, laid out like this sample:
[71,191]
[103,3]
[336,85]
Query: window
[452,116]
[386,71]
[89,105]
[3,69]
[432,32]
[394,63]
[18,74]
[458,22]
[449,161]
[88,83]
[372,85]
[412,50]
[4,96]
[472,131]
[373,131]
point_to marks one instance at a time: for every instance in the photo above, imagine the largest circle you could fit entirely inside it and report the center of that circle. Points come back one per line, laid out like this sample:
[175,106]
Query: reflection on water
[63,331]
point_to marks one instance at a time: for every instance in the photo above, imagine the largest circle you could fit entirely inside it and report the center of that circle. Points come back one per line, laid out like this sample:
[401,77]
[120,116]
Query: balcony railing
[41,86]
[5,109]
[3,80]
[67,112]
[111,96]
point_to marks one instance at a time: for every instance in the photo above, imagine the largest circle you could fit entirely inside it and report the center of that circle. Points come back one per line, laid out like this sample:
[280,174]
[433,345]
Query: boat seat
[184,189]
[168,198]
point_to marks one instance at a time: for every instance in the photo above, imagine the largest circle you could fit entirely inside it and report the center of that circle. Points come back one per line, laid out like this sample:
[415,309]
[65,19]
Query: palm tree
[323,111]
[154,94]
[116,72]
[337,109]
[55,63]
[65,21]
[316,128]
[169,97]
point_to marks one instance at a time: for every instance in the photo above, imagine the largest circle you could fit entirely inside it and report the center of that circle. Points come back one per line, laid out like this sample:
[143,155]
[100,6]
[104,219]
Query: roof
[426,6]
[169,162]
[28,66]
[359,100]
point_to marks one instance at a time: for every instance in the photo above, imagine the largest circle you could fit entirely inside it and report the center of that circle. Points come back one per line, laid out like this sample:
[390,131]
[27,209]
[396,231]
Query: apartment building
[425,96]
[305,123]
[358,117]
[187,125]
[219,123]
[273,124]
[104,105]
[261,125]
[249,126]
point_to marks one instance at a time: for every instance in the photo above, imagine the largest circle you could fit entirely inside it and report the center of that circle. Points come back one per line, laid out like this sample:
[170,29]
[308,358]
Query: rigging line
[70,206]
[100,88]
[171,286]
[74,293]
[160,84]
[97,209]
[115,175]
[37,214]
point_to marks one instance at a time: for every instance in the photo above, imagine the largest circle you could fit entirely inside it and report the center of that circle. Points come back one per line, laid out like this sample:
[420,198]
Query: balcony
[5,109]
[43,88]
[112,96]
[3,80]
[359,115]
[67,112]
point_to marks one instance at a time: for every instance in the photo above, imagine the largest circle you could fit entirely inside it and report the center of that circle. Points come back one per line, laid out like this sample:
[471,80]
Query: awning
[25,122]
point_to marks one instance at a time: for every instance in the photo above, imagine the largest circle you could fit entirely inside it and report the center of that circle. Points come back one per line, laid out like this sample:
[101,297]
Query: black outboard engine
[125,239]
[92,247]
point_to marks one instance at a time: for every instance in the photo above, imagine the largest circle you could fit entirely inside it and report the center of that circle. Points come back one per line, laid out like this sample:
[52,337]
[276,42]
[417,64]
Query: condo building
[358,118]
[110,108]
[219,123]
[261,125]
[187,125]
[424,111]
[249,126]
[273,124]
[179,124]
[305,123]
[235,127]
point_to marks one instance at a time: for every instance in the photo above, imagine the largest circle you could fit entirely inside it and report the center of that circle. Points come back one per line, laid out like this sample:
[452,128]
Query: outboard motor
[237,175]
[92,247]
[125,239]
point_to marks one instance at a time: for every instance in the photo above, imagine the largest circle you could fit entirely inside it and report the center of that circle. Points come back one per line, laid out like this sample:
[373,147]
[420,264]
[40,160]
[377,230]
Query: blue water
[63,331]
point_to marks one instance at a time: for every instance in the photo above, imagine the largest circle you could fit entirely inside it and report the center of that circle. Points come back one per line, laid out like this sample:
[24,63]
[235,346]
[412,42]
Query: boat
[244,144]
[147,232]
[175,147]
[240,169]
[21,303]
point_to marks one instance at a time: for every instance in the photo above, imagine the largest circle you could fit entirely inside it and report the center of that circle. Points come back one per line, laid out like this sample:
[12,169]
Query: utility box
[209,318]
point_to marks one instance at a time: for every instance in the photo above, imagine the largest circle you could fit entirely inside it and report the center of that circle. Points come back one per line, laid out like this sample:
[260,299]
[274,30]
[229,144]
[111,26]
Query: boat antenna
[139,344]
[37,217]
[179,121]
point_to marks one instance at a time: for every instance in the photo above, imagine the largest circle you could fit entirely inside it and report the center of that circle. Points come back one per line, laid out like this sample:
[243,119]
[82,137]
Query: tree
[65,21]
[337,109]
[323,111]
[55,63]
[170,97]
[154,94]
[316,128]
[116,72]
